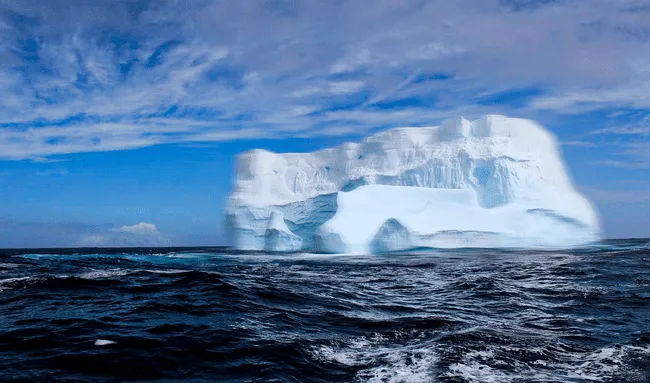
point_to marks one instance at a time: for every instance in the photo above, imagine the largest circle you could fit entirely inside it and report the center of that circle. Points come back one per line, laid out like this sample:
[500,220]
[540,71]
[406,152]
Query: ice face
[248,224]
[278,237]
[392,236]
[496,181]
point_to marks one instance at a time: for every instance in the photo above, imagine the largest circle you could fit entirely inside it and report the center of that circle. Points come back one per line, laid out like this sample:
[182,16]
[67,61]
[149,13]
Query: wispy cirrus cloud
[580,144]
[627,141]
[80,76]
[55,172]
[638,127]
[631,154]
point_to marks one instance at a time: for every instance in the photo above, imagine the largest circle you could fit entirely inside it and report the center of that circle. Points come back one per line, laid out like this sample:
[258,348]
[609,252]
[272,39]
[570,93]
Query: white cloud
[54,172]
[634,93]
[628,154]
[141,228]
[579,144]
[639,150]
[142,234]
[640,127]
[343,87]
[621,163]
[624,130]
[167,72]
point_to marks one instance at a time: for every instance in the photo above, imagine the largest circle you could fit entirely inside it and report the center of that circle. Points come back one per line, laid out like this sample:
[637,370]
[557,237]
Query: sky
[120,120]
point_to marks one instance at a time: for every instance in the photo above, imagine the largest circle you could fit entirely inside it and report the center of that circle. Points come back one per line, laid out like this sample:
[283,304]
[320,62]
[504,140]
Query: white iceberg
[493,182]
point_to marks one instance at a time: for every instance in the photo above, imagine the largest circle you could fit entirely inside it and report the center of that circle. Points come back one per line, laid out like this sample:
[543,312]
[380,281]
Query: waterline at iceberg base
[493,182]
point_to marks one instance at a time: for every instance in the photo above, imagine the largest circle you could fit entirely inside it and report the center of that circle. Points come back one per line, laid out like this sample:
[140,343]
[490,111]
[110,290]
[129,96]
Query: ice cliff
[493,182]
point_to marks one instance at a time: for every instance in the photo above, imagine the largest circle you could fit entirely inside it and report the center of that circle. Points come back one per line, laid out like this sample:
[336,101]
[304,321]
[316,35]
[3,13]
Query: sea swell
[432,316]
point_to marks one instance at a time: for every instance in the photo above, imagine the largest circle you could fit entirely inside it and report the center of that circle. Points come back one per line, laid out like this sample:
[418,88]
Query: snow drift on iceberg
[493,182]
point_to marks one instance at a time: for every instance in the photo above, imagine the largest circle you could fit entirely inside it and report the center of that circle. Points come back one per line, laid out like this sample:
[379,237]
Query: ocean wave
[97,274]
[10,283]
[58,281]
[116,273]
[468,316]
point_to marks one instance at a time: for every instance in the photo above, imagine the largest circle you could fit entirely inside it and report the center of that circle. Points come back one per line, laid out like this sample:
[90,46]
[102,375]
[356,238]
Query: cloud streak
[101,76]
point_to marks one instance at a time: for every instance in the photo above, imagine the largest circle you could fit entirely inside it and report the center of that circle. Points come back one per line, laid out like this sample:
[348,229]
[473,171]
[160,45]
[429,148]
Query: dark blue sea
[213,315]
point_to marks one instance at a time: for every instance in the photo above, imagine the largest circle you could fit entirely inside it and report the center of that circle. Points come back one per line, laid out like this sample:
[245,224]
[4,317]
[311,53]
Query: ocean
[214,315]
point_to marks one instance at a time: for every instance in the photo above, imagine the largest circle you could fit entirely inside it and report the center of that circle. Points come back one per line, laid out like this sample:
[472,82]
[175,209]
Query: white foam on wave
[10,280]
[5,284]
[103,342]
[41,255]
[8,283]
[607,363]
[110,273]
[403,366]
[184,255]
[173,271]
[411,356]
[26,281]
[381,358]
[474,368]
[99,274]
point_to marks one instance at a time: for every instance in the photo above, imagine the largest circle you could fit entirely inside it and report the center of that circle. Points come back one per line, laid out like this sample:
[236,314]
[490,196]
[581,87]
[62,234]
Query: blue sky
[117,113]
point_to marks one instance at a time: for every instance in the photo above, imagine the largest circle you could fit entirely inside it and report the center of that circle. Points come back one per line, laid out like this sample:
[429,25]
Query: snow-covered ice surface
[493,182]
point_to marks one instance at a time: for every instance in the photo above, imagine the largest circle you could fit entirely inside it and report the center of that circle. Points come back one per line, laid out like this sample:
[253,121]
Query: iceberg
[492,182]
